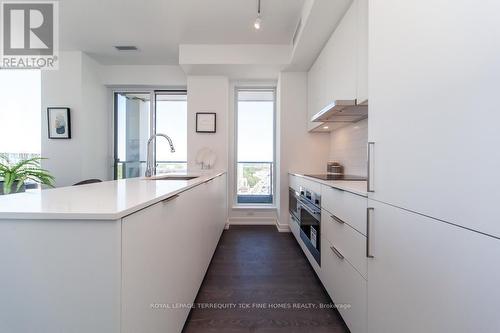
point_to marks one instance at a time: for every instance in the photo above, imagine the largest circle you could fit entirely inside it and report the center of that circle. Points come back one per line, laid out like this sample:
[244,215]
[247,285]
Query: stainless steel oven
[309,210]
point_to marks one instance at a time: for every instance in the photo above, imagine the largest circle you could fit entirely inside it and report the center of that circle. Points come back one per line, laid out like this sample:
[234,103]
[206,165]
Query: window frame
[236,204]
[152,113]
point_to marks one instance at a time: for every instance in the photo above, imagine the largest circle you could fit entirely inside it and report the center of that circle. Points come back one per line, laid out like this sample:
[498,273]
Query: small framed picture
[59,123]
[206,122]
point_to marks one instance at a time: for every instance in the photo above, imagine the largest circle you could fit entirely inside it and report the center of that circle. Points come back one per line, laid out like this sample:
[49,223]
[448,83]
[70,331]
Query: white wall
[298,150]
[82,85]
[348,146]
[208,94]
[138,75]
[76,85]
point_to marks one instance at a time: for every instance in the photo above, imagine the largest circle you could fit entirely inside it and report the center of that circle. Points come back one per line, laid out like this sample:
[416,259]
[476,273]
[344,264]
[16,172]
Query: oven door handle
[301,205]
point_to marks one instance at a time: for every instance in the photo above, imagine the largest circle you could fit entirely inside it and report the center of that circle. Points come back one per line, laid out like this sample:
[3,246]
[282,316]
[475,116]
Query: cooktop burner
[330,176]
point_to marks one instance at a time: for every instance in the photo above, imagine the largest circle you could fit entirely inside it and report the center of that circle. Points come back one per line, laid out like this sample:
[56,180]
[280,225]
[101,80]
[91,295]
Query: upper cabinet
[362,54]
[340,73]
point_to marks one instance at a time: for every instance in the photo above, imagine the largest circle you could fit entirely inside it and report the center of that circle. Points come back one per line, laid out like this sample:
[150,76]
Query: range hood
[342,111]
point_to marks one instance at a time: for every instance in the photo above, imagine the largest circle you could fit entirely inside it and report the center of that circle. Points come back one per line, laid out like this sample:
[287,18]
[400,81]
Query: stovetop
[330,176]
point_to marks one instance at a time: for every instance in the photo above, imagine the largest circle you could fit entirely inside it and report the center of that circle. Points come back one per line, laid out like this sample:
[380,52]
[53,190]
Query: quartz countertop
[356,187]
[109,200]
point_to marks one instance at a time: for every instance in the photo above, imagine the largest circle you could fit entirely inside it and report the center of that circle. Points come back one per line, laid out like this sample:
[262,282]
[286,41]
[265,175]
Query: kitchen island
[118,256]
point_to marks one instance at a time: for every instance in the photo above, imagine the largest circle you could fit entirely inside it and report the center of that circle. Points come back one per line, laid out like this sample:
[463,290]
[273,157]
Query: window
[20,113]
[255,146]
[171,119]
[134,123]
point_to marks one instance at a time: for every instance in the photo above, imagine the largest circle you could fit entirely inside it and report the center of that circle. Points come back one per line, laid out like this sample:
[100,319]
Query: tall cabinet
[433,70]
[433,225]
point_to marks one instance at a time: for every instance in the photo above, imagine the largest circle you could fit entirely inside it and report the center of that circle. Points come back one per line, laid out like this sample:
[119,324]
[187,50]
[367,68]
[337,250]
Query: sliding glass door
[137,116]
[255,146]
[132,130]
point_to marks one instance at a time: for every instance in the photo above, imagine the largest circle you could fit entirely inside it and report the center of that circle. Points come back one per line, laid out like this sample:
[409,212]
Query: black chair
[88,181]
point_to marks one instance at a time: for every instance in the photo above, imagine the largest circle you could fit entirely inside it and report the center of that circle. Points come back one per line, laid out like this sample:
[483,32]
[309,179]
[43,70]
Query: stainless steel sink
[171,177]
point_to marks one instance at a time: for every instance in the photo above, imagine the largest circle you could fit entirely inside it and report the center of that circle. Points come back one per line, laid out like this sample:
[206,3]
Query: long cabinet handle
[170,198]
[369,185]
[368,222]
[337,252]
[336,219]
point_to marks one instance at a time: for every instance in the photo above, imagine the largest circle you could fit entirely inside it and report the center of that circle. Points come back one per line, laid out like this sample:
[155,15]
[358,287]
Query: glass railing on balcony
[132,169]
[255,183]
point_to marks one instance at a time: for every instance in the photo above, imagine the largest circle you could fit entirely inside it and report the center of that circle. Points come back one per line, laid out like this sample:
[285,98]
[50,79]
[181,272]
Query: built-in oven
[309,209]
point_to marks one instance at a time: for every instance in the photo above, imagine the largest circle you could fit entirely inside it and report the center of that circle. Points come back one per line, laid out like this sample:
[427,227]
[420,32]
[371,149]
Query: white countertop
[357,187]
[110,200]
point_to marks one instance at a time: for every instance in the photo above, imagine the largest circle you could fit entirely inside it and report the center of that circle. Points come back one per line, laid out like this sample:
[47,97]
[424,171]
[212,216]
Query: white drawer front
[308,184]
[348,241]
[348,207]
[347,288]
[294,227]
[293,182]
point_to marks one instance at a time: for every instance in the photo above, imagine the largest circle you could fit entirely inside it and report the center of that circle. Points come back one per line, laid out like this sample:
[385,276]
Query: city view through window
[255,146]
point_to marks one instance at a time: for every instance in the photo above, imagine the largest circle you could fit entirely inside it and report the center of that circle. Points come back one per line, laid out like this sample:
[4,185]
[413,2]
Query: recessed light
[325,127]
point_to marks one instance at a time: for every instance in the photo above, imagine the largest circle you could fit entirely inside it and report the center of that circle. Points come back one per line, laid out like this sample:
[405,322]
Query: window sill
[254,207]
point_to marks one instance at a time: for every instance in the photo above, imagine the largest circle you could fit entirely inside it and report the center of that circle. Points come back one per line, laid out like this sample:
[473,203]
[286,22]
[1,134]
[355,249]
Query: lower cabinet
[166,251]
[390,270]
[430,276]
[345,285]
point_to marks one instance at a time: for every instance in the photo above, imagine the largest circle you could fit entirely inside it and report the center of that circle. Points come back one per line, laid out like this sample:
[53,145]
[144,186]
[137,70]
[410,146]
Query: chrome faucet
[150,169]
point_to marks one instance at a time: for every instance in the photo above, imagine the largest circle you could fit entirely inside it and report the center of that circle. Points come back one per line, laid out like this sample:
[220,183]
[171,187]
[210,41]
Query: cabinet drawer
[348,207]
[294,227]
[347,288]
[348,241]
[293,182]
[308,184]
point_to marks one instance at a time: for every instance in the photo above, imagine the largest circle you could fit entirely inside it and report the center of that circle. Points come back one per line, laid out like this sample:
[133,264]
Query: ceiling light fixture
[258,20]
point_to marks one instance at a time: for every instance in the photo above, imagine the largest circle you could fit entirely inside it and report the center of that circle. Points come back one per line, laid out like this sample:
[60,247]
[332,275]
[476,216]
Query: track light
[258,20]
[256,25]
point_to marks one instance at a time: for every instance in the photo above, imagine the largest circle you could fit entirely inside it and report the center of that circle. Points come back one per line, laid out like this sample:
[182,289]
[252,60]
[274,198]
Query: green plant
[22,171]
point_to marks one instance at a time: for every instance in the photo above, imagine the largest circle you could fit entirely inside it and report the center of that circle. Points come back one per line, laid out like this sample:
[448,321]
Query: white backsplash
[348,147]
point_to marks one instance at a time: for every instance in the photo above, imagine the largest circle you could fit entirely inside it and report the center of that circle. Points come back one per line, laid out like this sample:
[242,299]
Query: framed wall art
[59,123]
[206,122]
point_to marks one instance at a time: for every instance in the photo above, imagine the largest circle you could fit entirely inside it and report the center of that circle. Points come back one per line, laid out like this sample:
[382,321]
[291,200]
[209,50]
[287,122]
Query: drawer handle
[170,198]
[337,252]
[338,220]
[368,254]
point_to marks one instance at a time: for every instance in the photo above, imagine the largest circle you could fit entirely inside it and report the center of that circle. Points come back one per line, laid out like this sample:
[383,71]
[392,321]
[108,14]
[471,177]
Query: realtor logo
[29,34]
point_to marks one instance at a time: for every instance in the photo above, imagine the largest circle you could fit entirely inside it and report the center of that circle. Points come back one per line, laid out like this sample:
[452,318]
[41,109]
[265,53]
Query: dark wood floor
[256,266]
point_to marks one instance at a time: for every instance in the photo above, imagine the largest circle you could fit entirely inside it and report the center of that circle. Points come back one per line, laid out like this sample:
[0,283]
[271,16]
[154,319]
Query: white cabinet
[362,51]
[345,206]
[429,276]
[166,251]
[347,241]
[433,71]
[346,287]
[341,69]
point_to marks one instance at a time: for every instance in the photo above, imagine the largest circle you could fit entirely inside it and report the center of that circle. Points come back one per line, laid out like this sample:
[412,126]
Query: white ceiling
[157,27]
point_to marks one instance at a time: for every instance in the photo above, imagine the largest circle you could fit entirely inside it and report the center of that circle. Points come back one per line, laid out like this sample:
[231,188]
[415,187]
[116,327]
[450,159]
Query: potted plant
[13,176]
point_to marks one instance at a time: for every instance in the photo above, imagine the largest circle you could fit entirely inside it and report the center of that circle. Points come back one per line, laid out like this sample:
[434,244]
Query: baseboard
[251,221]
[283,227]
